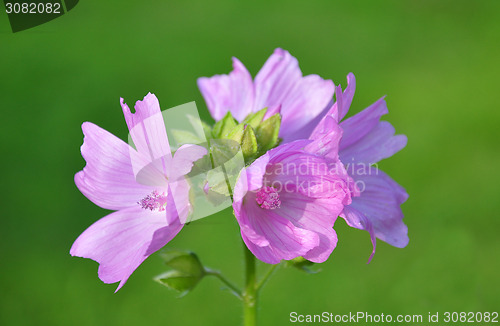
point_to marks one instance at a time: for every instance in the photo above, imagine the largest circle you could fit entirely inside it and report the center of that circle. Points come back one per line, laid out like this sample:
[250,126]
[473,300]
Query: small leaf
[267,133]
[223,127]
[255,119]
[249,144]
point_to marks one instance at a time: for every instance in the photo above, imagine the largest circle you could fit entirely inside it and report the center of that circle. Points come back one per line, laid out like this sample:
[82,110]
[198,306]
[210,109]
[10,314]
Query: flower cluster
[305,165]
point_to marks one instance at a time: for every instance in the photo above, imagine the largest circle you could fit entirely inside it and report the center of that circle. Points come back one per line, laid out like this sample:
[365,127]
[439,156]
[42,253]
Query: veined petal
[108,179]
[147,130]
[250,179]
[314,214]
[308,175]
[272,237]
[276,79]
[302,99]
[332,112]
[378,144]
[122,240]
[233,92]
[183,160]
[326,139]
[378,209]
[359,125]
[303,104]
[347,96]
[178,201]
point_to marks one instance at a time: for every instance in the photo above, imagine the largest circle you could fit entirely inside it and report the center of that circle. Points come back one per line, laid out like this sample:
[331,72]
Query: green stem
[250,292]
[266,277]
[234,289]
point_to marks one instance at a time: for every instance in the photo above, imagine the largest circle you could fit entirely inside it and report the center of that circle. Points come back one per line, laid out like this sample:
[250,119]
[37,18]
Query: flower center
[268,198]
[154,201]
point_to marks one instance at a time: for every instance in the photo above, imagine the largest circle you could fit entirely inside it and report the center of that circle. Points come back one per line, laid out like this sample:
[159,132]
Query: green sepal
[267,133]
[249,145]
[177,281]
[184,261]
[255,119]
[222,150]
[186,272]
[302,264]
[236,133]
[223,127]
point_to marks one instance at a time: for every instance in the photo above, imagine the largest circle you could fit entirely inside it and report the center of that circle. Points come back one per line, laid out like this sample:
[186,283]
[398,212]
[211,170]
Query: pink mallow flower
[367,140]
[286,202]
[303,102]
[279,86]
[146,187]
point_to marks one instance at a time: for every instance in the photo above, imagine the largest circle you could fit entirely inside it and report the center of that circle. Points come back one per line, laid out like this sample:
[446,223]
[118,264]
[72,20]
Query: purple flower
[287,201]
[146,187]
[279,86]
[365,141]
[304,102]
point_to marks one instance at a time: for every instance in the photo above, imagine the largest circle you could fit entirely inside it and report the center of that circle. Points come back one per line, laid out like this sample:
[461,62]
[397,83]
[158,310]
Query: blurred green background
[437,62]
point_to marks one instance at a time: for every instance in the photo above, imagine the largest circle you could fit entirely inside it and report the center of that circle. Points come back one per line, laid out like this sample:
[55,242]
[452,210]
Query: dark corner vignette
[25,14]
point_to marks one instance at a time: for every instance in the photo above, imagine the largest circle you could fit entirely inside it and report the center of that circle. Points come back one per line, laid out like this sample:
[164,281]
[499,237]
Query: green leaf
[255,119]
[267,133]
[249,144]
[223,127]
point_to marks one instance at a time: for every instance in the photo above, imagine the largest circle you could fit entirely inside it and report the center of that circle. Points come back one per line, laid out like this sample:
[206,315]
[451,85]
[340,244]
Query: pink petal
[303,104]
[108,179]
[147,129]
[347,96]
[378,144]
[183,160]
[276,79]
[233,92]
[302,99]
[314,214]
[251,177]
[359,125]
[272,237]
[178,201]
[122,240]
[326,139]
[378,209]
